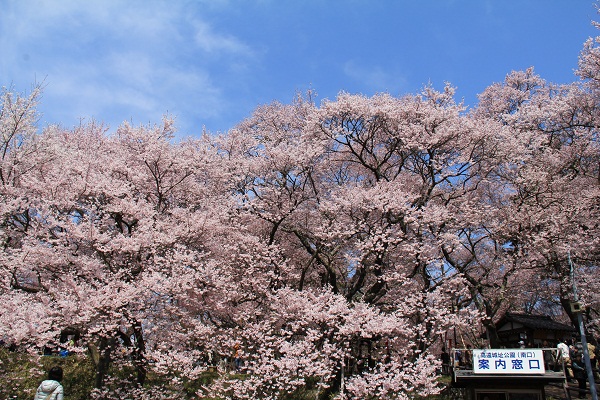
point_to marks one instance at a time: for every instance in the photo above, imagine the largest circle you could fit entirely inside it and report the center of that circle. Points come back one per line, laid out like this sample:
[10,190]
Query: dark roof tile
[536,322]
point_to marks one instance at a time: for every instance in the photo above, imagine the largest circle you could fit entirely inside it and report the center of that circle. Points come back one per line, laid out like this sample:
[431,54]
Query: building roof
[534,322]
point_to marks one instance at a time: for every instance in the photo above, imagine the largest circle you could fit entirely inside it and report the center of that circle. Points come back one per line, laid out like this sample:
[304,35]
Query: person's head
[55,374]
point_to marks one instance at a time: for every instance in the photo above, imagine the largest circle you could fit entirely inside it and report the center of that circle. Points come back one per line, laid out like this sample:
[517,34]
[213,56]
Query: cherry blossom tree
[327,246]
[549,179]
[350,196]
[102,235]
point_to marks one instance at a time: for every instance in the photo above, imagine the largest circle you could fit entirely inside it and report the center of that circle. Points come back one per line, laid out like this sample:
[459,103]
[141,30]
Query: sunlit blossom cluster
[328,247]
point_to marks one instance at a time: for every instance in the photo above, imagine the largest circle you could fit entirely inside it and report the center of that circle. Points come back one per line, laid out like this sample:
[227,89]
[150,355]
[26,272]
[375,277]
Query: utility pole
[586,353]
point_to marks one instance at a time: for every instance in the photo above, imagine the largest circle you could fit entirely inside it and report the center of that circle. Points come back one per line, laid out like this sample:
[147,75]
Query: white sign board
[508,361]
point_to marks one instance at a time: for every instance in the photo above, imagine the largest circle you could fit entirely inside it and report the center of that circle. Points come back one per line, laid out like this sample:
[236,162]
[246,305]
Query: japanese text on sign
[508,361]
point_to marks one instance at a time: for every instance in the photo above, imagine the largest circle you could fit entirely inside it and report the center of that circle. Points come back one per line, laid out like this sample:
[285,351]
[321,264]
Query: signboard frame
[508,361]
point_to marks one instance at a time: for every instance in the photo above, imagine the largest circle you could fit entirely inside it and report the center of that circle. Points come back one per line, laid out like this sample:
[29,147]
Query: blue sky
[209,63]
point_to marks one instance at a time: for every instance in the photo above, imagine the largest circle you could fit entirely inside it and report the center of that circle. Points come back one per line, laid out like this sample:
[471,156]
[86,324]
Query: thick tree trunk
[492,335]
[565,302]
[334,388]
[133,338]
[101,356]
[139,355]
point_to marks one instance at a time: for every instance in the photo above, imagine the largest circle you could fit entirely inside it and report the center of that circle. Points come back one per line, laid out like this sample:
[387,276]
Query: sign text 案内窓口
[508,361]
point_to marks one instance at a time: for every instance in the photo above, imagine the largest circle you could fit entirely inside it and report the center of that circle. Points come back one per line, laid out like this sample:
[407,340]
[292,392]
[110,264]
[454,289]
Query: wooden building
[533,330]
[506,374]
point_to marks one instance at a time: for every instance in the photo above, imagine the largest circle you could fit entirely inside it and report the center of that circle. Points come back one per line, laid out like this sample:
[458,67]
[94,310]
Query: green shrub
[21,374]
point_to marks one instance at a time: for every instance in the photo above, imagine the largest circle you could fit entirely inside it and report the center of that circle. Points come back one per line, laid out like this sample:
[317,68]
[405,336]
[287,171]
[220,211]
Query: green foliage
[191,387]
[22,373]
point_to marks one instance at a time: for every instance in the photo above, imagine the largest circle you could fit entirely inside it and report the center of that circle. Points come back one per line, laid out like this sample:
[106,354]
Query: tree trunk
[139,354]
[334,388]
[101,356]
[565,302]
[492,334]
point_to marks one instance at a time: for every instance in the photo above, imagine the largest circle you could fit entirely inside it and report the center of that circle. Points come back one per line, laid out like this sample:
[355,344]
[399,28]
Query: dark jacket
[578,367]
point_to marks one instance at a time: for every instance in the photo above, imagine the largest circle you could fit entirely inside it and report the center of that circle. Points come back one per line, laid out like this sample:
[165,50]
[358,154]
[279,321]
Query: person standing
[592,351]
[469,357]
[237,358]
[567,360]
[563,351]
[445,362]
[549,361]
[51,389]
[578,366]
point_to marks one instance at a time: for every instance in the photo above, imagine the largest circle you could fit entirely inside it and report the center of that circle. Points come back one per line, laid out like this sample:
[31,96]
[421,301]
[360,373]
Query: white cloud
[210,41]
[374,77]
[115,61]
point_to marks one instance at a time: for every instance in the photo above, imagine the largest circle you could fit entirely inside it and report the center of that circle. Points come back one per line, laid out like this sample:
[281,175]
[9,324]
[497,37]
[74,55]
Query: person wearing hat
[579,371]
